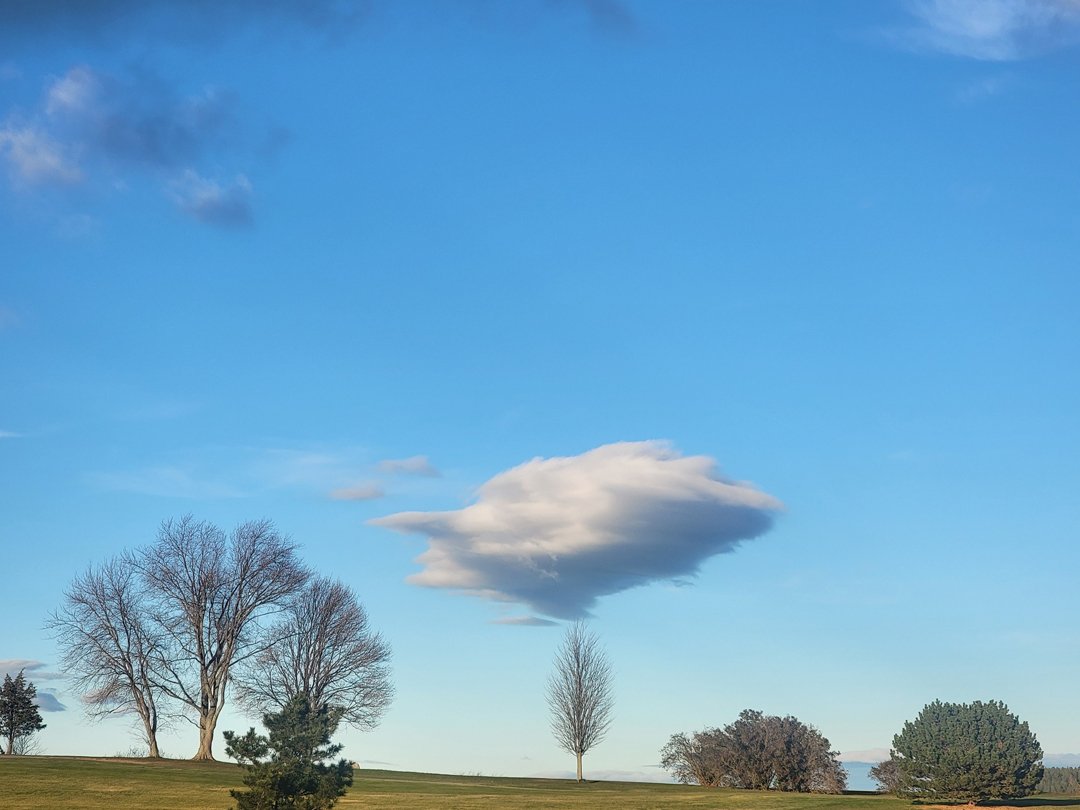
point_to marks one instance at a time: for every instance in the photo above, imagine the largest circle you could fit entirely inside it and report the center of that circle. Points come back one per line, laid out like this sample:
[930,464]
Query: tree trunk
[579,767]
[11,745]
[150,726]
[206,738]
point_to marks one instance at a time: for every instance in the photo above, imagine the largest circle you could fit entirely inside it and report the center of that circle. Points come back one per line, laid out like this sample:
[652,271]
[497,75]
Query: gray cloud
[359,492]
[414,465]
[48,702]
[35,157]
[35,672]
[105,21]
[137,118]
[556,534]
[213,203]
[607,16]
[93,124]
[991,30]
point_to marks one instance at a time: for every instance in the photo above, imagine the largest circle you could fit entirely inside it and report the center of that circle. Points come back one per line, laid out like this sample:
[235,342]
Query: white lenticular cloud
[555,534]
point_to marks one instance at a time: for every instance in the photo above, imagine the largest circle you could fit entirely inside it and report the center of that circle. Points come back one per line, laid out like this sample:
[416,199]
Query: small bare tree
[109,647]
[326,649]
[579,693]
[209,592]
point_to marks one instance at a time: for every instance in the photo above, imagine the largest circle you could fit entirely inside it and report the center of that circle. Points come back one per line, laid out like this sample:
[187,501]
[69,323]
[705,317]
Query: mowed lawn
[67,783]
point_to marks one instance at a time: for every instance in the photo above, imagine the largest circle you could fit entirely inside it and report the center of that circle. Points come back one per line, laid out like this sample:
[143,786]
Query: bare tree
[209,592]
[109,647]
[326,649]
[579,693]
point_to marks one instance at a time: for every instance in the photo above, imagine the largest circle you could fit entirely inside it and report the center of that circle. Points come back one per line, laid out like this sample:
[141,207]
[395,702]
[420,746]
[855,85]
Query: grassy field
[64,783]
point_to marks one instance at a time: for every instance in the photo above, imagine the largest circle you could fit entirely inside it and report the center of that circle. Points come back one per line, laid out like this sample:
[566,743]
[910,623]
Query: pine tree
[19,715]
[967,752]
[287,768]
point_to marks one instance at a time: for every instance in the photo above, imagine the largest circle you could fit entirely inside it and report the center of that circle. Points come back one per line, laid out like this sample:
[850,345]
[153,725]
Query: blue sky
[748,329]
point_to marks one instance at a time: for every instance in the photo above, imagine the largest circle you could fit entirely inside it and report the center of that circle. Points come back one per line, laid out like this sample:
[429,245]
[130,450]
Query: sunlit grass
[64,783]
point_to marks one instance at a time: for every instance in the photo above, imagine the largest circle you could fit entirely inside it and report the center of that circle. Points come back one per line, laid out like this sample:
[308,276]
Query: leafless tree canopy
[109,647]
[756,752]
[325,648]
[579,693]
[208,593]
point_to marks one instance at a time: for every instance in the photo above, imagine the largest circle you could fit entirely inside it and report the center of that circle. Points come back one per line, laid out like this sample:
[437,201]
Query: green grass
[72,783]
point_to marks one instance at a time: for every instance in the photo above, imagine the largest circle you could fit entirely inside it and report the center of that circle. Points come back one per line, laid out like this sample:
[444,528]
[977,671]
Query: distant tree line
[1060,780]
[172,629]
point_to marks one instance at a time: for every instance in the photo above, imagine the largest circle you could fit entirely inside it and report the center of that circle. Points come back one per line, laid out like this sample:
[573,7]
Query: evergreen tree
[287,769]
[967,752]
[19,715]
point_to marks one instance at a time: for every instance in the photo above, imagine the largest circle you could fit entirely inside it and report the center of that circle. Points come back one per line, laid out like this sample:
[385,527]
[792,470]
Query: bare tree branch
[325,648]
[579,693]
[209,593]
[109,647]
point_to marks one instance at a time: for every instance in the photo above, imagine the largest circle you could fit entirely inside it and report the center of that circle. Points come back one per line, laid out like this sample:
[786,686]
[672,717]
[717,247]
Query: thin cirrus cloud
[556,534]
[991,30]
[413,465]
[359,492]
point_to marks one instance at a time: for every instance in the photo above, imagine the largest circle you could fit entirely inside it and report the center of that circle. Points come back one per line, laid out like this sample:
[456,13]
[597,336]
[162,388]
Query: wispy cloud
[91,125]
[8,434]
[36,158]
[216,472]
[984,88]
[525,621]
[168,482]
[556,534]
[214,203]
[414,465]
[991,30]
[359,492]
[35,672]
